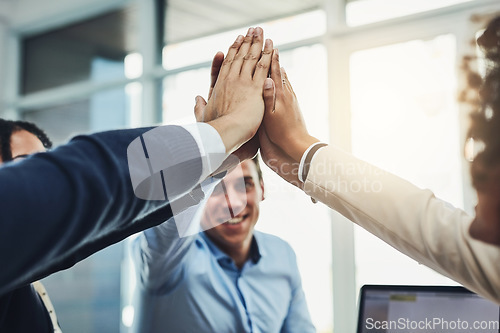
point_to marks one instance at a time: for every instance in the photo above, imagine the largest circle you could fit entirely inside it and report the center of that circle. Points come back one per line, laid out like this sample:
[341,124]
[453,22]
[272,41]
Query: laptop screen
[443,309]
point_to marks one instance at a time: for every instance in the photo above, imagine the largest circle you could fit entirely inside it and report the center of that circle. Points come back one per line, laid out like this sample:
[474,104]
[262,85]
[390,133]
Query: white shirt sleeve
[212,149]
[167,162]
[303,160]
[410,219]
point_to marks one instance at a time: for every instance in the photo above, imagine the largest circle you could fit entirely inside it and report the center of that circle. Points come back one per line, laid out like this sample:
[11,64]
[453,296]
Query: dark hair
[483,94]
[255,159]
[7,127]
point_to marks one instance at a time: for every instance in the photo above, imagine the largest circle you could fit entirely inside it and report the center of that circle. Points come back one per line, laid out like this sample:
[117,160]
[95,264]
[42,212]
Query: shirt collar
[217,253]
[255,251]
[255,254]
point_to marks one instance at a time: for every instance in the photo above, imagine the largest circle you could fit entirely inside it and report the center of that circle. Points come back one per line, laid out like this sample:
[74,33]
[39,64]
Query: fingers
[245,57]
[254,53]
[269,96]
[248,41]
[286,83]
[262,69]
[231,53]
[276,72]
[214,73]
[277,91]
[199,109]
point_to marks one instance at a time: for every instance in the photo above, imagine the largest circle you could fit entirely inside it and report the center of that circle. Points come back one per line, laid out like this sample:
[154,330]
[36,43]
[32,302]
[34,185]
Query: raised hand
[284,124]
[248,149]
[235,105]
[199,108]
[283,135]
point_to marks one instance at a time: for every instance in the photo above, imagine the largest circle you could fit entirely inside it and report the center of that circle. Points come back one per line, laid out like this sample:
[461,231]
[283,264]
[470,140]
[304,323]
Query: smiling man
[234,236]
[229,278]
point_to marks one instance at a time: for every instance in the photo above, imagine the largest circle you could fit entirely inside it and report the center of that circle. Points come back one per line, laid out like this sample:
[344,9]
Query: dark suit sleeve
[58,208]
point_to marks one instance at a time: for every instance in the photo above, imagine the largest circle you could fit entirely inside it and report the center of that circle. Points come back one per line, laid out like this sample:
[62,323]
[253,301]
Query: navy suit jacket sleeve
[58,208]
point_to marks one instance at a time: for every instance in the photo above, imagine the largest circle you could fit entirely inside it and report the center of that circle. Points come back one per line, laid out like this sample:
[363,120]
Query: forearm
[62,206]
[157,253]
[408,218]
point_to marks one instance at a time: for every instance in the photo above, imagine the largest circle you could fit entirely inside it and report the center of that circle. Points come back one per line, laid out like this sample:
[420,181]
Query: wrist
[306,160]
[298,146]
[231,132]
[224,132]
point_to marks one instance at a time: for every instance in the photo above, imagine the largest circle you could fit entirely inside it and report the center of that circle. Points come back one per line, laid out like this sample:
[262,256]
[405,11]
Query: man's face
[240,196]
[24,143]
[486,225]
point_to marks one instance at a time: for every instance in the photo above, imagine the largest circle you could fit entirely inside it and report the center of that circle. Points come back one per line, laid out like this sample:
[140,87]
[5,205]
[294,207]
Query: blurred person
[59,207]
[462,247]
[19,139]
[228,278]
[28,308]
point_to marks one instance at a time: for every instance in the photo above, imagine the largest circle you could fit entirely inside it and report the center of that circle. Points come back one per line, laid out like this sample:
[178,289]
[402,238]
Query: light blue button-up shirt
[189,285]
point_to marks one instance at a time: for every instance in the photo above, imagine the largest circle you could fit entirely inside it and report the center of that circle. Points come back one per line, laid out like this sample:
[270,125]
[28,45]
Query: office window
[281,31]
[109,109]
[179,91]
[87,297]
[61,122]
[405,120]
[360,12]
[93,50]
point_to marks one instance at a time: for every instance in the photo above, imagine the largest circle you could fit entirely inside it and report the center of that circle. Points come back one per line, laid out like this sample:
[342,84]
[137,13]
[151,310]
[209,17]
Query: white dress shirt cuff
[305,157]
[211,146]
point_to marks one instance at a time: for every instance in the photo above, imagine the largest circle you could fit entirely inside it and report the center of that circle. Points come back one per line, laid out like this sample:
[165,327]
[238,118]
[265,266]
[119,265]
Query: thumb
[199,108]
[269,95]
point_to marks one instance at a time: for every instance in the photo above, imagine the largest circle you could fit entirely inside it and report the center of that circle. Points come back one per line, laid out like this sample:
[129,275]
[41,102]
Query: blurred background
[378,78]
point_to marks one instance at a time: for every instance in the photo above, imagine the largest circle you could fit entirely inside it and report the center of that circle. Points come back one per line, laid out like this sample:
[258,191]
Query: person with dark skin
[464,248]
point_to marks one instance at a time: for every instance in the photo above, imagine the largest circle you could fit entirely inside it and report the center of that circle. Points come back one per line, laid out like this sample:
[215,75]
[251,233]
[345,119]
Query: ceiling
[189,19]
[117,30]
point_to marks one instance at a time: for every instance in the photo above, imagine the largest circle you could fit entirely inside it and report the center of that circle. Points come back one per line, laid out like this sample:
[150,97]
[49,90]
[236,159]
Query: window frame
[342,41]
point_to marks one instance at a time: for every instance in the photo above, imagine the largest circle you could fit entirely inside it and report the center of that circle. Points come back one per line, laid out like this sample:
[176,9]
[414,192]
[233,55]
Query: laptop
[430,309]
